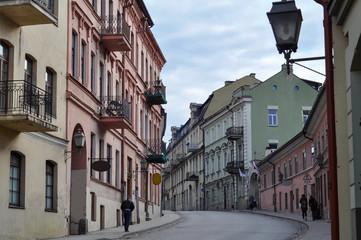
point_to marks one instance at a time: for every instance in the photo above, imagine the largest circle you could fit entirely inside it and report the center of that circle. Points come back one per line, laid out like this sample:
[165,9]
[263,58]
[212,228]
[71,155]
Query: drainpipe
[274,185]
[332,156]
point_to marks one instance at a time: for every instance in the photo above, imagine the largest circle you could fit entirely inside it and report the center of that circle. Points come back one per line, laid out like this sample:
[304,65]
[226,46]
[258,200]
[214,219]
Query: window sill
[16,207]
[51,210]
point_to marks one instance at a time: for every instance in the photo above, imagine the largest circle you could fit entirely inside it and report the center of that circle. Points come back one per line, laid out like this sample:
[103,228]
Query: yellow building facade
[32,119]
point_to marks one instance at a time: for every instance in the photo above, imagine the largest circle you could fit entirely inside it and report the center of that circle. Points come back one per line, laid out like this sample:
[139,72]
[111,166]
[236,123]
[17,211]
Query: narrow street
[224,225]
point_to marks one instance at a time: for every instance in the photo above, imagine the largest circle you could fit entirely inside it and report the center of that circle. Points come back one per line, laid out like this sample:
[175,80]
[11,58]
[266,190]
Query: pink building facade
[114,96]
[299,167]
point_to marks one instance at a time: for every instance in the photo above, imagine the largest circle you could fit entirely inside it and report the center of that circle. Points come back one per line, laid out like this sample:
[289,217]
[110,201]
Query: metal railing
[235,165]
[46,4]
[21,97]
[234,131]
[154,146]
[156,87]
[112,24]
[114,106]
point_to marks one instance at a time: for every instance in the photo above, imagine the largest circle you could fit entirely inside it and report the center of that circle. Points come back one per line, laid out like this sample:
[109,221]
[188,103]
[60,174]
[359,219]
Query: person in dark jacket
[127,209]
[304,206]
[313,204]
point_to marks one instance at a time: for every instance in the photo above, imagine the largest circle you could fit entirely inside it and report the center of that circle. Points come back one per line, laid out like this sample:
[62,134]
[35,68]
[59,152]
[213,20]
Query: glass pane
[49,191]
[49,204]
[49,180]
[15,185]
[16,172]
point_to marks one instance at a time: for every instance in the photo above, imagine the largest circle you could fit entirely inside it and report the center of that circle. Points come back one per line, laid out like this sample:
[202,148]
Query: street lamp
[285,20]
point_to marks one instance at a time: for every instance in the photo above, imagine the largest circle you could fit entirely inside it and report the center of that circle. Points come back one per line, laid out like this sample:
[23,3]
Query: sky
[208,42]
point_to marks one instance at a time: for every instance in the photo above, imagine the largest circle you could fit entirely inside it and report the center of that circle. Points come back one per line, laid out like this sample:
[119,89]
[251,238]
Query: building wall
[126,75]
[308,178]
[346,43]
[278,91]
[46,44]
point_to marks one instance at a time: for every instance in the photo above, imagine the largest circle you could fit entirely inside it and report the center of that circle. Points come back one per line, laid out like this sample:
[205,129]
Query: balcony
[191,147]
[155,94]
[233,167]
[234,133]
[192,176]
[115,33]
[25,107]
[28,12]
[154,151]
[115,113]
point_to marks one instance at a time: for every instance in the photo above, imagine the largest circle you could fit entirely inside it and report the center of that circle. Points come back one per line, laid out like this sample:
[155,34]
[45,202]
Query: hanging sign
[307,178]
[157,178]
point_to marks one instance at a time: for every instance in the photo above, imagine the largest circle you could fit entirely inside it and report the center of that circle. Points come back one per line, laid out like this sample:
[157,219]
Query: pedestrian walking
[127,209]
[304,206]
[313,204]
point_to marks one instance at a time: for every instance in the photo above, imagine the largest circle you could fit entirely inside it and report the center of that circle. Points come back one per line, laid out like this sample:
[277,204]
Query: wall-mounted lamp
[79,141]
[285,20]
[320,159]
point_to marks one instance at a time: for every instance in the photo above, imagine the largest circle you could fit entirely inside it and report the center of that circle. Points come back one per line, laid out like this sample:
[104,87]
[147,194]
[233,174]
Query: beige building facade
[346,38]
[32,119]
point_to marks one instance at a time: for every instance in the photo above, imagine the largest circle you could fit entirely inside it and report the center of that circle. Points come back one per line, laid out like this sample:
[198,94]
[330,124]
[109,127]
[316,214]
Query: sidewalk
[168,218]
[312,230]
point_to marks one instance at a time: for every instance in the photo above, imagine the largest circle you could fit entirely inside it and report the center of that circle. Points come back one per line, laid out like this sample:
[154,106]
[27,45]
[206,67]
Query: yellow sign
[157,178]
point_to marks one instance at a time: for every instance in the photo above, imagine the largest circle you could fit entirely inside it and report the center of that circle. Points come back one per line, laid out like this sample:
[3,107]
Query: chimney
[252,75]
[228,82]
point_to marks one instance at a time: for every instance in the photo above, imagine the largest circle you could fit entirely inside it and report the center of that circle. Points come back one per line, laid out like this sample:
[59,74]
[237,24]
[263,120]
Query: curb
[148,230]
[302,227]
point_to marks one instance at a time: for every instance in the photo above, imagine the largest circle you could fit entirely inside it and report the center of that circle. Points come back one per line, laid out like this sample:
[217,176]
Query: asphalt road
[208,225]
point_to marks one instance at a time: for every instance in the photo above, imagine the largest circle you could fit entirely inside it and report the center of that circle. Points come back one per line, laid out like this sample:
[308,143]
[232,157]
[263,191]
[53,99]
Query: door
[102,216]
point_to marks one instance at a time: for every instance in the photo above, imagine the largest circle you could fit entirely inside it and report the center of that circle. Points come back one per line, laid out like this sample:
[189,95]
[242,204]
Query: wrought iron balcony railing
[234,133]
[154,150]
[156,93]
[115,33]
[21,97]
[233,167]
[114,106]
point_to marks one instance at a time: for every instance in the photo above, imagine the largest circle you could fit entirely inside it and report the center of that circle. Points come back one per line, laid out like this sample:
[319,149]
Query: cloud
[207,42]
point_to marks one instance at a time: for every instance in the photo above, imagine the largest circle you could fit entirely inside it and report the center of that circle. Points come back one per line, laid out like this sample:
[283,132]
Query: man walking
[127,208]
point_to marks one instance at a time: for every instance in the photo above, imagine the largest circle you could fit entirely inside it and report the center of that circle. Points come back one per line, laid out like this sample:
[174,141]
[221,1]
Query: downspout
[274,185]
[332,155]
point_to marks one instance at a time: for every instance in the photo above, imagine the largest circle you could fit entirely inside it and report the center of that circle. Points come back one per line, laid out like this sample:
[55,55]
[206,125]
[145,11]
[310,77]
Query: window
[50,93]
[94,3]
[101,71]
[4,61]
[29,71]
[109,85]
[101,148]
[92,73]
[290,166]
[82,62]
[92,152]
[219,162]
[323,138]
[50,186]
[272,117]
[296,164]
[142,65]
[225,159]
[305,114]
[264,181]
[73,53]
[313,154]
[285,170]
[304,162]
[109,159]
[16,177]
[273,177]
[117,167]
[212,165]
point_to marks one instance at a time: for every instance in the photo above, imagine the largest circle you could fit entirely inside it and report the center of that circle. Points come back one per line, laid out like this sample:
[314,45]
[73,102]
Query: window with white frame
[306,110]
[272,117]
